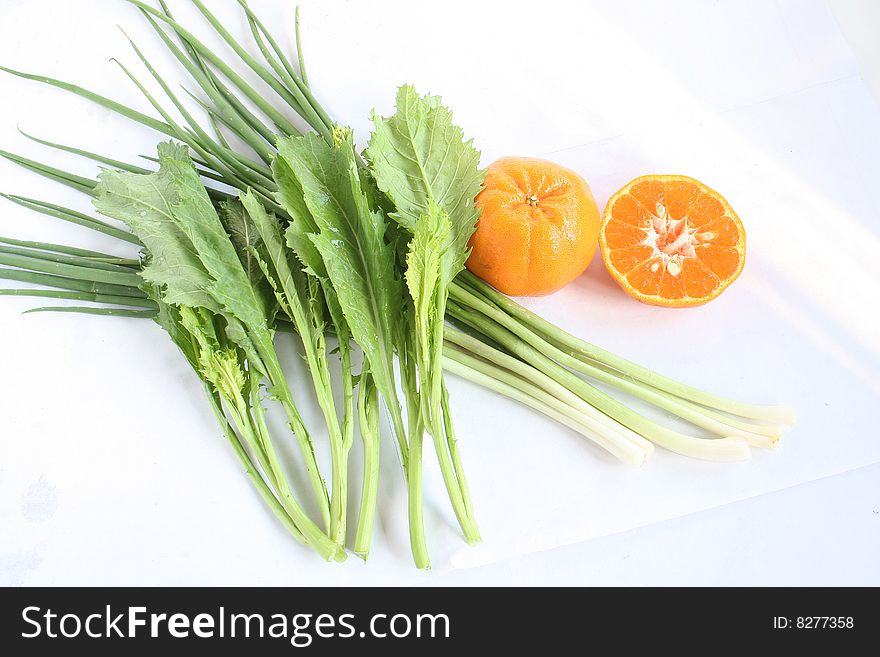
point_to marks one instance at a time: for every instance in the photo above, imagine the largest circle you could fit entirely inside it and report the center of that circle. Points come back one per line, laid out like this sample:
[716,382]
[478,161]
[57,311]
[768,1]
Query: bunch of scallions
[300,233]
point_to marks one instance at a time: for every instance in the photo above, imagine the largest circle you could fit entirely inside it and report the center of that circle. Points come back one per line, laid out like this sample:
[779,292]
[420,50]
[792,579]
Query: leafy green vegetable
[300,299]
[192,262]
[342,241]
[298,238]
[422,162]
[350,240]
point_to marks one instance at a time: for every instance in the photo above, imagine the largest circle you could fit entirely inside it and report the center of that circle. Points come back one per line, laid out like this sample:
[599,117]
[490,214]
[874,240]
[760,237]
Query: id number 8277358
[813,622]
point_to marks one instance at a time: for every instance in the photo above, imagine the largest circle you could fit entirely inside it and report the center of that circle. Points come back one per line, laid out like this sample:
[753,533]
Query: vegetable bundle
[319,239]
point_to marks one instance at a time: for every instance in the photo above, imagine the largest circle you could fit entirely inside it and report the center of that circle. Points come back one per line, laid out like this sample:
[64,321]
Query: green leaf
[220,366]
[287,280]
[419,156]
[298,237]
[427,280]
[248,244]
[351,242]
[237,332]
[191,257]
[422,162]
[424,264]
[143,203]
[198,220]
[290,197]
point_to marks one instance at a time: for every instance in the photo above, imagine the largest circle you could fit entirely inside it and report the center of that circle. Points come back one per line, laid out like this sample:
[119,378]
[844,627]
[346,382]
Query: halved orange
[671,241]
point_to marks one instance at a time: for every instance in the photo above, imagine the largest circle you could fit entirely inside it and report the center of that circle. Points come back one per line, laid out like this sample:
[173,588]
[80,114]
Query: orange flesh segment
[672,241]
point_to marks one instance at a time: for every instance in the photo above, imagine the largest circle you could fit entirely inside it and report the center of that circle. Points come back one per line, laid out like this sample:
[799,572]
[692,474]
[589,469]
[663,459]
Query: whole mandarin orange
[538,230]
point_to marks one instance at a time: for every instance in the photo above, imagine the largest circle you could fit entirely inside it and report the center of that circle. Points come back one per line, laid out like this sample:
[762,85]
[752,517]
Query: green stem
[111,162]
[71,216]
[299,50]
[452,445]
[231,158]
[320,369]
[368,415]
[316,357]
[315,349]
[430,350]
[79,183]
[251,470]
[82,296]
[261,430]
[297,84]
[281,390]
[315,538]
[484,375]
[79,285]
[227,103]
[119,108]
[94,256]
[87,273]
[294,96]
[588,352]
[703,417]
[217,158]
[84,310]
[418,542]
[608,376]
[609,434]
[411,458]
[348,413]
[281,122]
[65,259]
[530,348]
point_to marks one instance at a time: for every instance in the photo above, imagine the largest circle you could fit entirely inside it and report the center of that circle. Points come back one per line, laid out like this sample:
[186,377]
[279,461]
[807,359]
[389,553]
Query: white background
[112,472]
